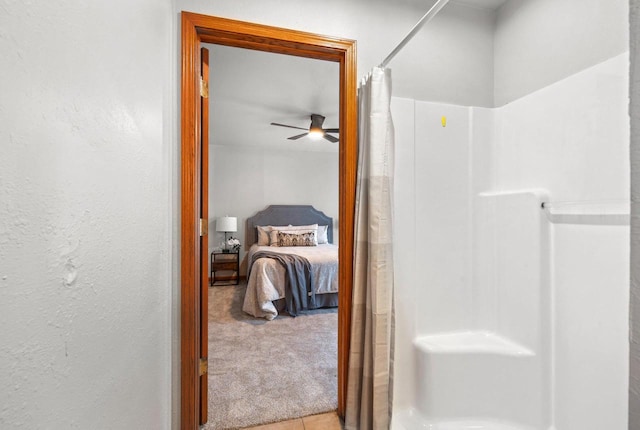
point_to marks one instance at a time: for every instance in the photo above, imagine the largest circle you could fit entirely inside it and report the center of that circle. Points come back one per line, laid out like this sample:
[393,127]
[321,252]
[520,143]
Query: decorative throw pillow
[273,234]
[297,238]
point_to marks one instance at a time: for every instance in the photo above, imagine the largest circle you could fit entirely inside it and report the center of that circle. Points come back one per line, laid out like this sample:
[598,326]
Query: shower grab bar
[586,203]
[426,18]
[593,212]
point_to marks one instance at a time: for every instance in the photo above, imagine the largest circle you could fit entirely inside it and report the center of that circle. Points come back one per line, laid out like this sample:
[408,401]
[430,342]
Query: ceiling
[485,4]
[250,89]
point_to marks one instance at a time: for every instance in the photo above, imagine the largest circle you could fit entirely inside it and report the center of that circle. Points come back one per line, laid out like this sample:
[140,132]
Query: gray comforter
[265,283]
[298,282]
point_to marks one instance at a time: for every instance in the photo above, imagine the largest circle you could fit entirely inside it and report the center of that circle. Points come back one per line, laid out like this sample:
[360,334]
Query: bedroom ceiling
[250,89]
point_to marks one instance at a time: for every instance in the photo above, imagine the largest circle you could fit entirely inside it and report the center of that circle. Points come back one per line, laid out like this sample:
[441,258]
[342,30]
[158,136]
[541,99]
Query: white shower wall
[570,140]
[571,137]
[443,208]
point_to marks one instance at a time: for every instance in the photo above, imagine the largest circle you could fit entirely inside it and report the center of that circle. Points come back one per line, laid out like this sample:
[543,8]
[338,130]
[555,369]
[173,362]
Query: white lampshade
[227,224]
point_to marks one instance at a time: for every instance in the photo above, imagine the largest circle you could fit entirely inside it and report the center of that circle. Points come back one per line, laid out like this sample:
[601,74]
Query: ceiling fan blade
[332,130]
[296,137]
[289,126]
[330,138]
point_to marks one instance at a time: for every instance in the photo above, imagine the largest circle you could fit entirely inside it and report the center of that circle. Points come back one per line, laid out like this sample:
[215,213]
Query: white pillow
[263,234]
[322,234]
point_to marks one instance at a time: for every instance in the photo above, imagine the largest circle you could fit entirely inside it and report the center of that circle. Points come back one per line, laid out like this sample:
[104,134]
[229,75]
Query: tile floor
[328,421]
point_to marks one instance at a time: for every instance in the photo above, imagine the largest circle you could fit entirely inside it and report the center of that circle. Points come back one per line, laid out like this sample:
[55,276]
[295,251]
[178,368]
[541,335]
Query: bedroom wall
[245,180]
[577,34]
[85,214]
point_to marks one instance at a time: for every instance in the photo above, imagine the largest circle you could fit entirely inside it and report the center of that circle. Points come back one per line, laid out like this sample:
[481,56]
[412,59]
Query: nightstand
[228,264]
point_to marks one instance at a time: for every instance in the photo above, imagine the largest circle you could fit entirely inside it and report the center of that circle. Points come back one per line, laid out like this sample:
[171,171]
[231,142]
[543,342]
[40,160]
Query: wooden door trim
[197,29]
[204,239]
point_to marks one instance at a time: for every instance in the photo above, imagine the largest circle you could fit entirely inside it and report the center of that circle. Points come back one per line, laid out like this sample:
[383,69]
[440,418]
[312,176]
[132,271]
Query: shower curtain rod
[426,18]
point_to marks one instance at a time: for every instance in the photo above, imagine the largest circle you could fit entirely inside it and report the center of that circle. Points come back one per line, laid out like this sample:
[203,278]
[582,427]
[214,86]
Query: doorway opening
[198,29]
[263,167]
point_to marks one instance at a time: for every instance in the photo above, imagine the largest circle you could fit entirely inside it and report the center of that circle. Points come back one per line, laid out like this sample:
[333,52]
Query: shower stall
[512,259]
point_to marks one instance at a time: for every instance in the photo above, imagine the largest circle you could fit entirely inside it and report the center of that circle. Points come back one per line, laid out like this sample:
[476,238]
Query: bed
[265,294]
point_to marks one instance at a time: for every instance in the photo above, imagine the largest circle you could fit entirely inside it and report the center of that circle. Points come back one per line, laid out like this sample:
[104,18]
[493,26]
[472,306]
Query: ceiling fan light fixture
[315,130]
[316,133]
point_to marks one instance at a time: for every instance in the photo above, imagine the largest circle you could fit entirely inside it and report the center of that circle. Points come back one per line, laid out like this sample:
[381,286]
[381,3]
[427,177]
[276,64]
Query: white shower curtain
[369,380]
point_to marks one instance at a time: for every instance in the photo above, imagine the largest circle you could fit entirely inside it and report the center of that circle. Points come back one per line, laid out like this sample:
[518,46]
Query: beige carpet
[266,371]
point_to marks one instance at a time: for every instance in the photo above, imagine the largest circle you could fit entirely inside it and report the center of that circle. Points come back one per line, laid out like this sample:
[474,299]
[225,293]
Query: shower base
[412,420]
[464,342]
[477,380]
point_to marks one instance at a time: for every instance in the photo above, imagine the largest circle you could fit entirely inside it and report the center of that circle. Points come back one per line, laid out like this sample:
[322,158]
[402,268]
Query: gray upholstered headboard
[286,215]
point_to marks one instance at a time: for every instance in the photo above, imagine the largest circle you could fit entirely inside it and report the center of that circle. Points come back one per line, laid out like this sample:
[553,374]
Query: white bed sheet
[266,279]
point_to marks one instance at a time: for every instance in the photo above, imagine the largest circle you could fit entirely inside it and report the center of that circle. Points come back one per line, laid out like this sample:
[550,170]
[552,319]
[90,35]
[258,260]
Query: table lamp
[227,224]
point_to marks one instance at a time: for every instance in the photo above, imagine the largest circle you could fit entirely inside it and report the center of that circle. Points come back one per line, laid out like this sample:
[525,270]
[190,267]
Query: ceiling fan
[315,130]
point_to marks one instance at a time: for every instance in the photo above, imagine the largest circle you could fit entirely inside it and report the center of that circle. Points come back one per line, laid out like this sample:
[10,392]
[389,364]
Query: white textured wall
[538,42]
[450,60]
[634,371]
[84,215]
[244,180]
